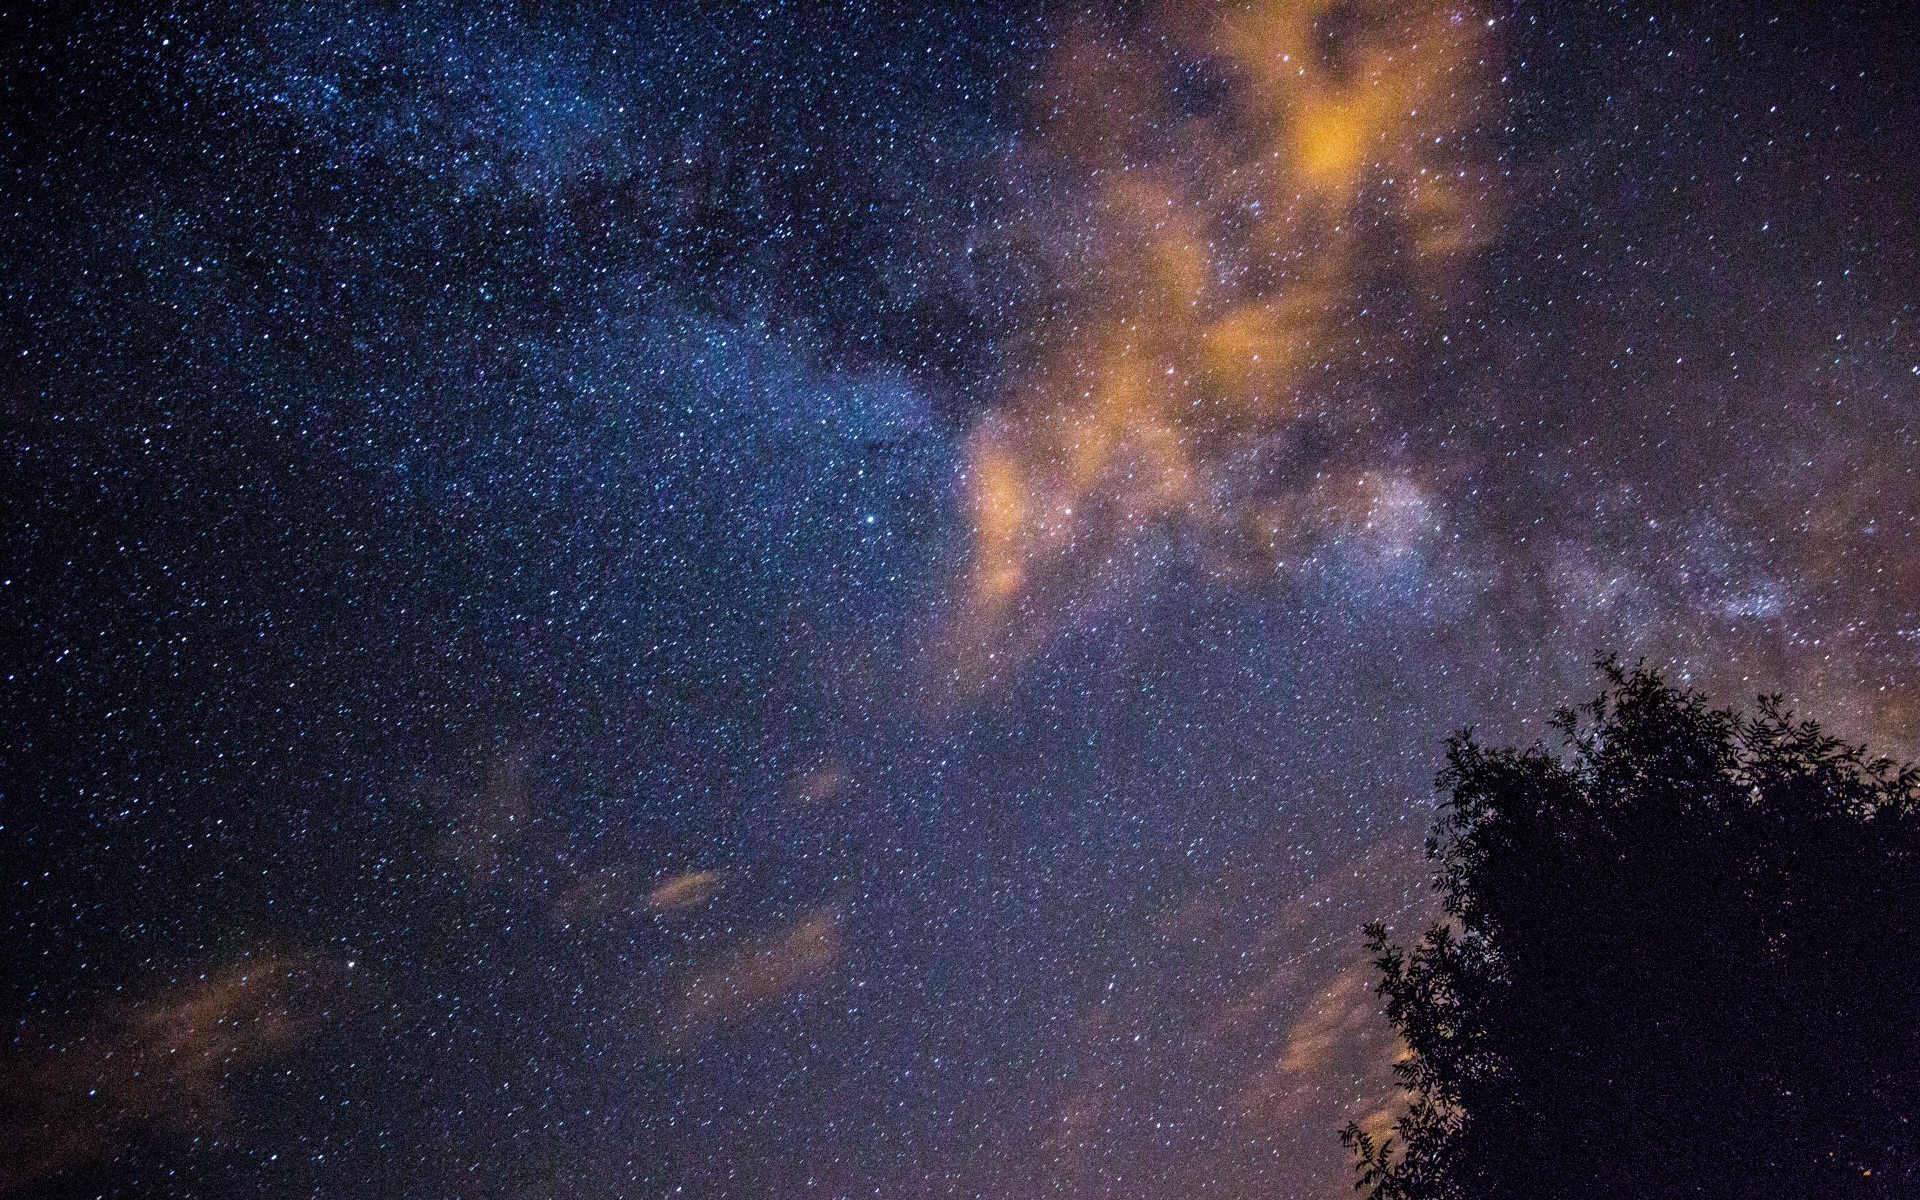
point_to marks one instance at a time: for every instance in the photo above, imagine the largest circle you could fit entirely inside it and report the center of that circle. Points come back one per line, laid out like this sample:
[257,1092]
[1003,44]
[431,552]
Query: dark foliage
[1681,961]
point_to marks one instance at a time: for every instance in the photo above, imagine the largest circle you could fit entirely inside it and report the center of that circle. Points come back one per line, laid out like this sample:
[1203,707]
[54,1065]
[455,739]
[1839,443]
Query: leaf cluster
[1677,959]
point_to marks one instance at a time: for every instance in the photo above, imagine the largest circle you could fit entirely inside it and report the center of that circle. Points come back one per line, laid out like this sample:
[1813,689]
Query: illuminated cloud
[1241,179]
[160,1066]
[822,784]
[611,893]
[1338,1037]
[1234,1038]
[685,890]
[740,983]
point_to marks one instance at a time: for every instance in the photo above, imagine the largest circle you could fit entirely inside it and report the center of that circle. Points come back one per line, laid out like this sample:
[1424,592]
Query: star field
[784,601]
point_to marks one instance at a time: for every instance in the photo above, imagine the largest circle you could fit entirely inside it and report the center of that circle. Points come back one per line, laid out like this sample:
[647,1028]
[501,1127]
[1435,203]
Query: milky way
[647,602]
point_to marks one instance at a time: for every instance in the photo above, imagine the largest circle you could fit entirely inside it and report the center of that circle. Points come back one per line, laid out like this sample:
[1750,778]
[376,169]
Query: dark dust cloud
[776,601]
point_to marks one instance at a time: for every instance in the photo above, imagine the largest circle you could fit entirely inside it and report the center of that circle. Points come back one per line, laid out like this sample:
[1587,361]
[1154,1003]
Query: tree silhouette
[1680,961]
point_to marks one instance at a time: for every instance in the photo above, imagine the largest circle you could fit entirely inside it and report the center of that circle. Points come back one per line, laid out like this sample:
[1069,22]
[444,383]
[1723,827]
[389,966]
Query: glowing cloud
[688,889]
[742,982]
[163,1065]
[1239,180]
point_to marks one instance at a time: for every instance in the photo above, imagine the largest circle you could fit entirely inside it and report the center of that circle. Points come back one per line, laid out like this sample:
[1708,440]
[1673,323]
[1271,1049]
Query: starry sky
[802,600]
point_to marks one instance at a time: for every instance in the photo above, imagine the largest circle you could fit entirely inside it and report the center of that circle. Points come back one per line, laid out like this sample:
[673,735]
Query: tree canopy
[1679,959]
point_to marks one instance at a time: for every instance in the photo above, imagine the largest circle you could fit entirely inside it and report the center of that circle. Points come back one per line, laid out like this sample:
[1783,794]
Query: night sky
[783,601]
